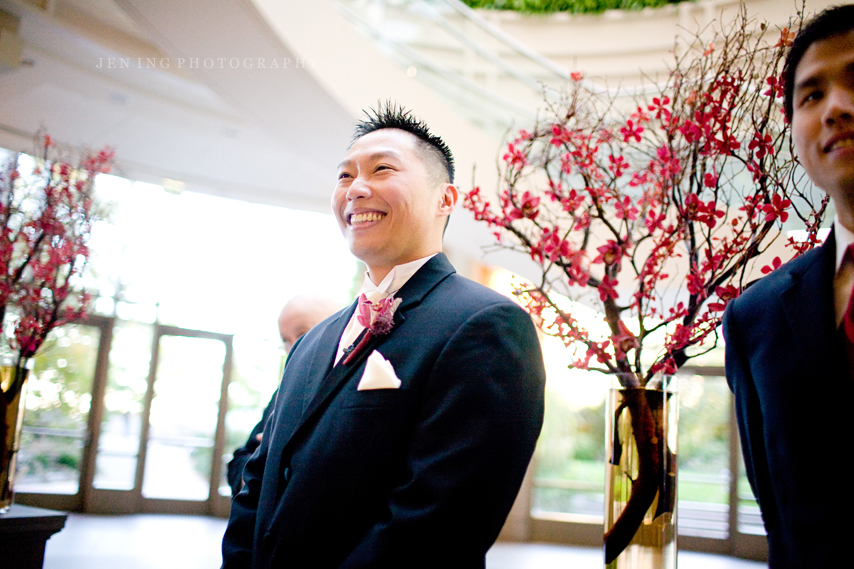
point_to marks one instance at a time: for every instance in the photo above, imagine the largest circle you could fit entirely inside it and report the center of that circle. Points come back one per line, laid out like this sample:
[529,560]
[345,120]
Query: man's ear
[448,199]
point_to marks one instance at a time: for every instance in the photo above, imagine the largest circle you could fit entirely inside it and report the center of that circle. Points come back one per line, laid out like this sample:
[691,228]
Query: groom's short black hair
[831,22]
[390,115]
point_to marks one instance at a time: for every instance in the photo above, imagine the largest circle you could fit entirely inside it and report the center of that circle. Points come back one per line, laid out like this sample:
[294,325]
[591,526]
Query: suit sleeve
[480,416]
[239,535]
[241,455]
[749,417]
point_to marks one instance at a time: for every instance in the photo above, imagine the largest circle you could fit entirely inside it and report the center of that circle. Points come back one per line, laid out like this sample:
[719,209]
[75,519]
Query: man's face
[823,118]
[301,314]
[291,329]
[388,208]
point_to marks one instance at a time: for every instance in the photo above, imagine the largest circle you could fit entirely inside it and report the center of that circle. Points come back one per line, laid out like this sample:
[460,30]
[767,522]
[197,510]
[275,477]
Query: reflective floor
[192,542]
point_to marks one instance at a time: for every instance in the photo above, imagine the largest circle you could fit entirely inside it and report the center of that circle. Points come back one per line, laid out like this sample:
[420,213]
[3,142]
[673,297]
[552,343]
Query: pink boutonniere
[376,317]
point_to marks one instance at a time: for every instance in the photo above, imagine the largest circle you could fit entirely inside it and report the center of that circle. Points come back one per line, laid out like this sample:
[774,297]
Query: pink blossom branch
[666,186]
[43,248]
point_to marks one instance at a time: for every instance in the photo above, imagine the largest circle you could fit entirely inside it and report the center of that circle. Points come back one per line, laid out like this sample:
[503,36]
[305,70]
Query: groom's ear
[447,199]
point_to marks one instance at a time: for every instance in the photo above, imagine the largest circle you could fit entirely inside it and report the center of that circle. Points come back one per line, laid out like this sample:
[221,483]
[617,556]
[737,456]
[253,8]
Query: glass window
[127,381]
[704,477]
[749,515]
[570,456]
[57,411]
[183,418]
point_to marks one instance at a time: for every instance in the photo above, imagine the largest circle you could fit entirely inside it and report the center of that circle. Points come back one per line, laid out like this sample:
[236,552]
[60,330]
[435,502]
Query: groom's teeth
[365,217]
[844,143]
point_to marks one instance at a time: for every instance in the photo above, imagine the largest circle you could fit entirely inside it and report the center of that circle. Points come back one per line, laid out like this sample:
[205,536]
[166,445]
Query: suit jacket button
[286,474]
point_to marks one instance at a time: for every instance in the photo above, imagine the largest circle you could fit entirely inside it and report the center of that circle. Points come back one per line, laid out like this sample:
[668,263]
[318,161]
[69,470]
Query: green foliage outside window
[571,6]
[58,400]
[570,456]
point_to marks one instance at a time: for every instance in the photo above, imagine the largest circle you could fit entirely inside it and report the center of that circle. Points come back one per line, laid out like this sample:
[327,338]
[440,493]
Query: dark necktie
[847,326]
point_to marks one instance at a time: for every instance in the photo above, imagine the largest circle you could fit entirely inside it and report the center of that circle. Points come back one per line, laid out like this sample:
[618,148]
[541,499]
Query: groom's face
[389,207]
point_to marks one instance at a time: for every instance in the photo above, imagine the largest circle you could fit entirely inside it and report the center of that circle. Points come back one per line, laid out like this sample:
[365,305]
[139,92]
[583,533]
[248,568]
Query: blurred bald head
[301,314]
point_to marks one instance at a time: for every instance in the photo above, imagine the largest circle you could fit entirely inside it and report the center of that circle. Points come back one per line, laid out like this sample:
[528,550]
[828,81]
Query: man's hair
[831,22]
[390,115]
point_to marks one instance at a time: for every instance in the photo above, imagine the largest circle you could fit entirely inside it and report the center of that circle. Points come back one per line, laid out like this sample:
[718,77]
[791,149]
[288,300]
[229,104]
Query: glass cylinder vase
[13,381]
[640,480]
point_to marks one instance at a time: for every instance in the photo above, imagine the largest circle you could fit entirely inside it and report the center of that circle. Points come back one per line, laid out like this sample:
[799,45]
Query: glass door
[184,430]
[162,429]
[120,419]
[126,417]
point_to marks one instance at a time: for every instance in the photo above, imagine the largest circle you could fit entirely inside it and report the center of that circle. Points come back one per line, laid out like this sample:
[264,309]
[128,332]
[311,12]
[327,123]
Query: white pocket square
[379,374]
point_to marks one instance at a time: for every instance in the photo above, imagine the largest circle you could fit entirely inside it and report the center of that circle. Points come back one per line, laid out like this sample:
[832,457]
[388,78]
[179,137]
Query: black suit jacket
[420,476]
[793,391]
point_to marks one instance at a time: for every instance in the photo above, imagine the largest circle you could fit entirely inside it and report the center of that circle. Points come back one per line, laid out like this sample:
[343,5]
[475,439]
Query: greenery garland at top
[571,6]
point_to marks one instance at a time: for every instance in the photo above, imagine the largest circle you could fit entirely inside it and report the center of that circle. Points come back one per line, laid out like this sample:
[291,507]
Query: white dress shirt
[392,283]
[843,282]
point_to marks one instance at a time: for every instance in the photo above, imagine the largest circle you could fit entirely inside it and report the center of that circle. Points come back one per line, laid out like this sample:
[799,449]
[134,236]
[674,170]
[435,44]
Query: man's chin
[367,254]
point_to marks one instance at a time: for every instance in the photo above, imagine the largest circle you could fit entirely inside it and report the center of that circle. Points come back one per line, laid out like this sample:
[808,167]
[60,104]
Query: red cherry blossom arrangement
[46,218]
[656,212]
[659,209]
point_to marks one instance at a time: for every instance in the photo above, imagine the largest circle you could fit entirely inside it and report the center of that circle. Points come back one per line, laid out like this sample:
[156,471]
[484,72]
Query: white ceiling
[101,72]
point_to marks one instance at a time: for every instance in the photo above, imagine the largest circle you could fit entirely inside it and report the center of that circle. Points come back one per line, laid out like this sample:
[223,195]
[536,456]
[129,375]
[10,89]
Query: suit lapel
[809,308]
[323,357]
[431,274]
[301,379]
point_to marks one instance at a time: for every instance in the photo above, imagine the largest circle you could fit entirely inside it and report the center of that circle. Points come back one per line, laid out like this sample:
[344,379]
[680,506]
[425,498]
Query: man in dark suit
[786,347]
[404,425]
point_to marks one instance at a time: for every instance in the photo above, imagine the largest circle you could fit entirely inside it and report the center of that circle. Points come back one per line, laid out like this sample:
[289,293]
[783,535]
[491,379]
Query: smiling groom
[404,424]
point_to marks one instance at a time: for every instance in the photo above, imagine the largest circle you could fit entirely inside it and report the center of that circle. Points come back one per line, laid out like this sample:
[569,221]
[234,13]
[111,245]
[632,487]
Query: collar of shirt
[392,283]
[843,282]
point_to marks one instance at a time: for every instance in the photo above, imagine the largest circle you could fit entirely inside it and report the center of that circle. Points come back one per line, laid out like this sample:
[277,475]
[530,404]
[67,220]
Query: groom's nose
[359,188]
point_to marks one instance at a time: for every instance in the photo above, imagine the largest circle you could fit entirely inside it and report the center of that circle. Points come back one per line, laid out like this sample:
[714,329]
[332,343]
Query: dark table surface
[27,518]
[24,531]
